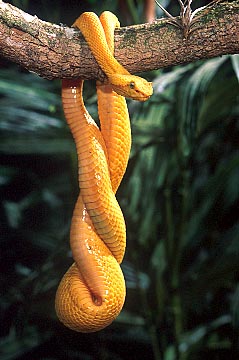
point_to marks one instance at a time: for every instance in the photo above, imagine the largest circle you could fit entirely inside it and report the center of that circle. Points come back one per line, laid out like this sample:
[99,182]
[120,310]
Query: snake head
[132,86]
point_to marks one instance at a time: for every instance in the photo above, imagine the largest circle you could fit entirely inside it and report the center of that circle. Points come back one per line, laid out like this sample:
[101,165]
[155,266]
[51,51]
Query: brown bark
[54,51]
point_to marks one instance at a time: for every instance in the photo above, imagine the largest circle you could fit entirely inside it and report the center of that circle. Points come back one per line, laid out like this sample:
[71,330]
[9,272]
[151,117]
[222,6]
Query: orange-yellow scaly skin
[92,292]
[121,80]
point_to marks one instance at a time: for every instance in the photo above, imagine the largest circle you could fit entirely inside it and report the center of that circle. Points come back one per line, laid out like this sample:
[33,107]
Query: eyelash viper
[92,292]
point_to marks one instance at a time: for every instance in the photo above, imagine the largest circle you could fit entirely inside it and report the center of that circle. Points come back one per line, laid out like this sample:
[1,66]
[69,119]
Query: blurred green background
[180,197]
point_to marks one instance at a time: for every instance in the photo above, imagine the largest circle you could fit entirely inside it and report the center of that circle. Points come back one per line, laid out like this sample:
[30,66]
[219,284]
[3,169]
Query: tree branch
[54,51]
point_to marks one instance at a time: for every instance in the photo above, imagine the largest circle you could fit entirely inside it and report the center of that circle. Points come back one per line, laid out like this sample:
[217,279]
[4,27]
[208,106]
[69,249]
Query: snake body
[92,292]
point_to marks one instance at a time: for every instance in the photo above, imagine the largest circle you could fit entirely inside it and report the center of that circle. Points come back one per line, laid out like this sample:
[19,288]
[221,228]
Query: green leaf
[235,64]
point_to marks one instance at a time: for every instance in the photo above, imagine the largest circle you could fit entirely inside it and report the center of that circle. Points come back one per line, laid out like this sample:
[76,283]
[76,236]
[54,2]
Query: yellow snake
[92,292]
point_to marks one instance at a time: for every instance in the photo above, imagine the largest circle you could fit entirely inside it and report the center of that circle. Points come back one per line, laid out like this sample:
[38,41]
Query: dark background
[180,198]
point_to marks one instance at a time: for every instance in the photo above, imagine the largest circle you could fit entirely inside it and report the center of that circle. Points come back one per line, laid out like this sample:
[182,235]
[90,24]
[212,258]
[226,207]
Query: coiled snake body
[92,292]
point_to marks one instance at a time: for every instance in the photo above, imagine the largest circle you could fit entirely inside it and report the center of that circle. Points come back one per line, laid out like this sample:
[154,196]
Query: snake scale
[92,292]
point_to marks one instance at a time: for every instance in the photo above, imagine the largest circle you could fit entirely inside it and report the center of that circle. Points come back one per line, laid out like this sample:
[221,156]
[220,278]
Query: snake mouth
[142,98]
[139,96]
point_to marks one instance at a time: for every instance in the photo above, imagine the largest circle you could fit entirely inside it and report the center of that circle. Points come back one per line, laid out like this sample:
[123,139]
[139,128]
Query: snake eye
[131,85]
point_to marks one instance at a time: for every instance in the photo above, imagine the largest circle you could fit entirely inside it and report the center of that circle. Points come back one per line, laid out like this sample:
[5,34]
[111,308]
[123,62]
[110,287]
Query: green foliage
[180,197]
